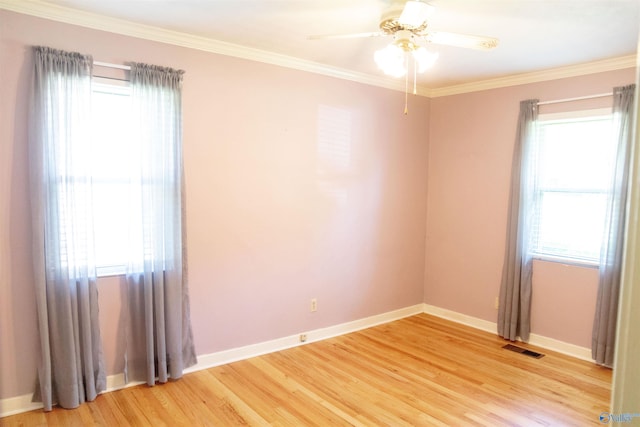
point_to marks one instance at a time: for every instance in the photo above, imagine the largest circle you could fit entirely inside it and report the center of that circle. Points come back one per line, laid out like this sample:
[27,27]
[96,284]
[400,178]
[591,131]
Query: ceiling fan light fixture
[391,60]
[424,59]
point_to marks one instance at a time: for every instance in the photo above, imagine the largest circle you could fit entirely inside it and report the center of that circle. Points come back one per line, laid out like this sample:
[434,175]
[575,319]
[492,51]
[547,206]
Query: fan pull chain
[406,92]
[415,74]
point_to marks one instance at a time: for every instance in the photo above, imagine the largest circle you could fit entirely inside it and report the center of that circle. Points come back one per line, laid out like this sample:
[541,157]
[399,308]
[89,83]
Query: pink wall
[471,142]
[276,215]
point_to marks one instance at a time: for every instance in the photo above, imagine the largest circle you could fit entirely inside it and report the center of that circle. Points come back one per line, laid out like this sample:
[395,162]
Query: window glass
[111,115]
[573,166]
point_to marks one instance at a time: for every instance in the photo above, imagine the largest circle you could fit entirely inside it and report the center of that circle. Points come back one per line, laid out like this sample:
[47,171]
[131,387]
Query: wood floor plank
[418,371]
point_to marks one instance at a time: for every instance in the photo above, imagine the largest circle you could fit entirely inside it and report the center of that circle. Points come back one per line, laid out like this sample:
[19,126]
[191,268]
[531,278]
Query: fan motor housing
[389,20]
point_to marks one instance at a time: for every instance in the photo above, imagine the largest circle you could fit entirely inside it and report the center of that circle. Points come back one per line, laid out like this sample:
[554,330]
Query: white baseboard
[115,382]
[558,346]
[552,344]
[19,404]
[463,319]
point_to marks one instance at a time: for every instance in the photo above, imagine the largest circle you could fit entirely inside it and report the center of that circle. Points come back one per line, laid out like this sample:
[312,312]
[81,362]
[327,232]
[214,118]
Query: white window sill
[111,270]
[566,260]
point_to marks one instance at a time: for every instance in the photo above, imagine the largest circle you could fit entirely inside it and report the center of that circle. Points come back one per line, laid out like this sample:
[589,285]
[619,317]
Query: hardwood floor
[421,370]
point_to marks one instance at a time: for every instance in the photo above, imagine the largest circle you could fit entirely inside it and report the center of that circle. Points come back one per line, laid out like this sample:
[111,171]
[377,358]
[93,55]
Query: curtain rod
[109,65]
[579,98]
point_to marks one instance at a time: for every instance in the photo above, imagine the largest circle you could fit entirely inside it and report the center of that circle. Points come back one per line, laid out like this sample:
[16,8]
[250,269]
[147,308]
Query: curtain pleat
[610,268]
[515,289]
[71,369]
[157,274]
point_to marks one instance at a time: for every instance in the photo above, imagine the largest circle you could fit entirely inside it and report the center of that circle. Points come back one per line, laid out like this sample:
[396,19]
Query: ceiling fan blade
[461,40]
[346,36]
[415,14]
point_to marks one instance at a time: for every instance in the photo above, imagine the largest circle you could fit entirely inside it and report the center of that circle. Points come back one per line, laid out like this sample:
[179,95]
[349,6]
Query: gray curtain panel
[157,274]
[515,289]
[604,324]
[71,368]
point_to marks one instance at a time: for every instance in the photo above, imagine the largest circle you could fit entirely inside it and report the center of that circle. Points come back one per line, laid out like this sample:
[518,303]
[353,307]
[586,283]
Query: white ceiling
[534,34]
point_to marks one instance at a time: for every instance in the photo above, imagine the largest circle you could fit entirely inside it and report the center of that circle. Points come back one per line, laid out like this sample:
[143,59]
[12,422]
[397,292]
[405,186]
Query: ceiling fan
[407,23]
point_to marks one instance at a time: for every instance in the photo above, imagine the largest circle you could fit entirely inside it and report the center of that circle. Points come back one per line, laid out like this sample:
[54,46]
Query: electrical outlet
[314,305]
[496,303]
[303,337]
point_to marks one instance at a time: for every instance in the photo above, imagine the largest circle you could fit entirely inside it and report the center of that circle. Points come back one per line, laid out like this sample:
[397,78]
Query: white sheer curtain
[605,320]
[514,316]
[71,369]
[157,274]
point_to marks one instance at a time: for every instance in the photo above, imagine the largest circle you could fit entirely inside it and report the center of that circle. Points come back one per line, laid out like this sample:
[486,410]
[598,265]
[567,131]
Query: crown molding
[594,67]
[42,9]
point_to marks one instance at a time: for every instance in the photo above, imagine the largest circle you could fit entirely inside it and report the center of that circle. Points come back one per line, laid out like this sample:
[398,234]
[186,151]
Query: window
[112,130]
[573,165]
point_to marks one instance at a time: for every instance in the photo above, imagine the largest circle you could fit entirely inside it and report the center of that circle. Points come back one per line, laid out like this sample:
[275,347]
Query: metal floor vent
[523,351]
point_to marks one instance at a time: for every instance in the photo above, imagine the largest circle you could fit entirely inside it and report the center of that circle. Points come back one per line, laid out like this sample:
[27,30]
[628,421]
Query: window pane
[571,224]
[575,155]
[110,219]
[112,130]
